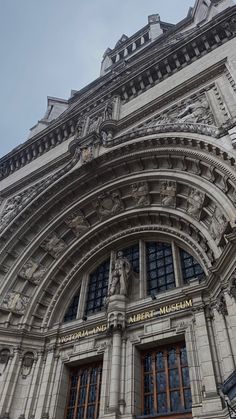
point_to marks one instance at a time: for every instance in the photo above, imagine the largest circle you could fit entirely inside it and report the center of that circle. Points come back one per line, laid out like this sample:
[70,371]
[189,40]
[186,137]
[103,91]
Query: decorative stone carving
[140,193]
[168,193]
[27,364]
[232,286]
[94,124]
[116,320]
[33,271]
[10,210]
[196,112]
[4,359]
[87,153]
[79,128]
[221,305]
[77,222]
[54,245]
[195,202]
[108,203]
[108,110]
[218,224]
[120,276]
[15,301]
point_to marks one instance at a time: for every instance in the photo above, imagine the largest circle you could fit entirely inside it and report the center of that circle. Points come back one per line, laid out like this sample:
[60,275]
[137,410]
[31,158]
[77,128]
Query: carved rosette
[108,204]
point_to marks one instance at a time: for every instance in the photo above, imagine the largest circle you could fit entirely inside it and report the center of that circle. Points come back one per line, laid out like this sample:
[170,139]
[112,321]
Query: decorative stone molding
[16,302]
[32,271]
[140,193]
[77,222]
[54,245]
[108,203]
[168,193]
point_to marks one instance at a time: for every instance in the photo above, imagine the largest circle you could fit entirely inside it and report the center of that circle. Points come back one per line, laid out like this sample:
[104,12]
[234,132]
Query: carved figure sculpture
[108,204]
[33,271]
[94,124]
[77,222]
[195,203]
[4,359]
[53,245]
[168,193]
[140,193]
[15,301]
[108,111]
[195,112]
[79,128]
[27,364]
[120,276]
[218,224]
[87,154]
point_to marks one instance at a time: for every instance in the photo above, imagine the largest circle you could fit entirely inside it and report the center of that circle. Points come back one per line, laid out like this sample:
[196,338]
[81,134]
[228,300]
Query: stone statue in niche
[94,124]
[120,276]
[4,359]
[108,204]
[195,202]
[195,112]
[53,245]
[108,110]
[27,364]
[79,128]
[77,222]
[140,193]
[218,224]
[15,301]
[168,193]
[32,271]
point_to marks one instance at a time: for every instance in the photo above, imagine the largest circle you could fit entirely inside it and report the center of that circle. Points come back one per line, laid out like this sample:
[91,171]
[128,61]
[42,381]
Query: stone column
[11,382]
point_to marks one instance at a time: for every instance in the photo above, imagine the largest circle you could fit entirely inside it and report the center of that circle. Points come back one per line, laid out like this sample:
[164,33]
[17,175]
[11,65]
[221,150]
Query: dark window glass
[190,267]
[97,288]
[132,254]
[84,393]
[71,311]
[166,385]
[160,268]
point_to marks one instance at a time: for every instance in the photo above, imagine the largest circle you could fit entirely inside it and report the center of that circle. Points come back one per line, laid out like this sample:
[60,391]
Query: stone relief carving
[94,124]
[5,355]
[218,224]
[54,245]
[79,129]
[116,320]
[33,271]
[87,153]
[120,276]
[27,364]
[108,110]
[15,301]
[195,203]
[232,286]
[108,203]
[196,112]
[77,222]
[140,193]
[220,305]
[168,193]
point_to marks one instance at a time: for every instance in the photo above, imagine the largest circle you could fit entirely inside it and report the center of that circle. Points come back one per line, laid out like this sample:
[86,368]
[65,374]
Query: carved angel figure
[120,276]
[140,193]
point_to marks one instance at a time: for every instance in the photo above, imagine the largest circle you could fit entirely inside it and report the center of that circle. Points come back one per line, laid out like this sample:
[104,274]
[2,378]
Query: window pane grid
[71,311]
[160,268]
[84,395]
[132,254]
[166,386]
[97,288]
[190,267]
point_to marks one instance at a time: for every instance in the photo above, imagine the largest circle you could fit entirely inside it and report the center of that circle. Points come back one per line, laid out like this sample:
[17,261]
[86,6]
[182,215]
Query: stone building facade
[118,237]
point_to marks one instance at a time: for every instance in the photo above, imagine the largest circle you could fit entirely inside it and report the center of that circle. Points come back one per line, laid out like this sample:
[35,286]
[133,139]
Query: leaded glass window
[166,384]
[160,267]
[84,392]
[190,267]
[97,288]
[71,312]
[132,254]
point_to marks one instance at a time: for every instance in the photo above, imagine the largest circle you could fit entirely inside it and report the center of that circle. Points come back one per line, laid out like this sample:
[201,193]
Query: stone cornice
[128,84]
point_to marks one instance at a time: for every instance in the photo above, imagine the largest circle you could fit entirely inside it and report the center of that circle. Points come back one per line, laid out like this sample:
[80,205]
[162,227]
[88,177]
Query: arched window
[160,267]
[72,309]
[97,288]
[190,267]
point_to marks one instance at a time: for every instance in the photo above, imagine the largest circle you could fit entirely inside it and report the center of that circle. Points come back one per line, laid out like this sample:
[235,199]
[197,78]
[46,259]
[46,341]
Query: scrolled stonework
[77,222]
[15,301]
[140,193]
[108,204]
[54,245]
[168,193]
[195,203]
[32,271]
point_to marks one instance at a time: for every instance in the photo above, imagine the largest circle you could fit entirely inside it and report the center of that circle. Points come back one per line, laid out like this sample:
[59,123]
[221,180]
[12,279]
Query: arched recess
[200,174]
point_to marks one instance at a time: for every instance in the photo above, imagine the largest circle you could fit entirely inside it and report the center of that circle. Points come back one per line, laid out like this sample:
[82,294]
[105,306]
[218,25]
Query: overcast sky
[48,47]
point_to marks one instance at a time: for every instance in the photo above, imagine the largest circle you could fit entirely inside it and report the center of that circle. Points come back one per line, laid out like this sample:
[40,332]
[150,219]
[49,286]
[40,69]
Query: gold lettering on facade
[83,333]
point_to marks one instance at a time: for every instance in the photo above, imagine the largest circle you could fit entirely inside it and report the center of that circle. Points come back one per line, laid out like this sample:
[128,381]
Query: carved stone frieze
[77,222]
[108,204]
[15,301]
[54,245]
[168,193]
[33,271]
[195,203]
[140,193]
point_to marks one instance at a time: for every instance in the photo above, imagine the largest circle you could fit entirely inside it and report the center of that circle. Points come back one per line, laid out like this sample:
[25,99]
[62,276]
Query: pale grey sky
[48,47]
